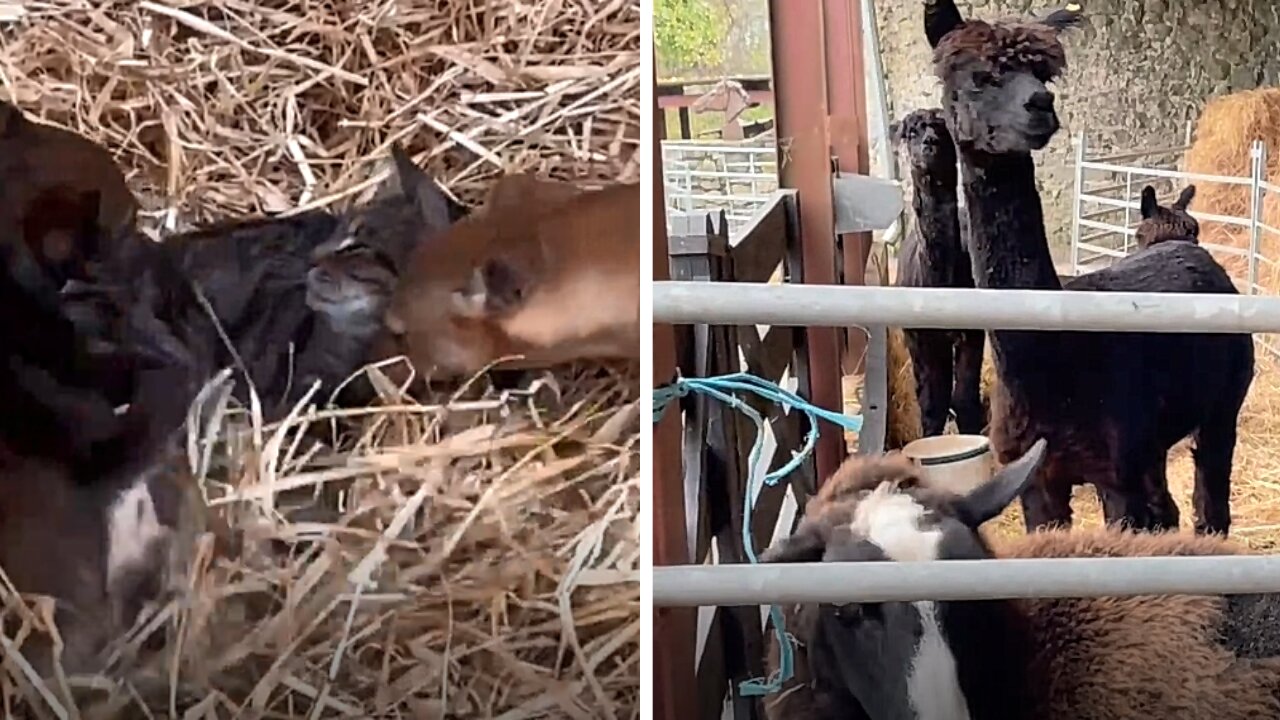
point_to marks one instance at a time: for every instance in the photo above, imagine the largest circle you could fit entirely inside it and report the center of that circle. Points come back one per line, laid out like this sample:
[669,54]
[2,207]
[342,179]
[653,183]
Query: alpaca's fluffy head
[891,658]
[996,74]
[923,137]
[1160,224]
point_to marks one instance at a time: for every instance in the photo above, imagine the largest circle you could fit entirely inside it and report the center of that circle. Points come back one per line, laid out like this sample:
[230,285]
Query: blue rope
[720,388]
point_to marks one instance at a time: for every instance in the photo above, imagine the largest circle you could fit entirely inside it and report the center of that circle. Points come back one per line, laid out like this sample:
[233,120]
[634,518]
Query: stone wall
[1139,70]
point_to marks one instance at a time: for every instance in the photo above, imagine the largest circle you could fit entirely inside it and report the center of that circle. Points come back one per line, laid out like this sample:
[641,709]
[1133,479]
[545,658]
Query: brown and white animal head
[895,659]
[548,274]
[730,98]
[925,140]
[996,76]
[1160,224]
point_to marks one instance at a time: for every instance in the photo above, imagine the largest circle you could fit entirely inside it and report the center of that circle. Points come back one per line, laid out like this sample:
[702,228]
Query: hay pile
[235,107]
[1224,135]
[469,555]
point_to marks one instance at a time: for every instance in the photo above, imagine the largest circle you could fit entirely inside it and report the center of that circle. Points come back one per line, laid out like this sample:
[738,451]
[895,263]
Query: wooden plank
[674,629]
[713,677]
[769,357]
[846,95]
[686,100]
[763,243]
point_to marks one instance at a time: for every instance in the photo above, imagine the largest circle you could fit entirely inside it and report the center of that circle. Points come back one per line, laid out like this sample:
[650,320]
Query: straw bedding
[473,553]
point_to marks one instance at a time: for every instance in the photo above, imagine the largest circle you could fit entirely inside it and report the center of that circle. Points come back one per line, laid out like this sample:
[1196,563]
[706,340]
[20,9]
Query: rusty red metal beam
[847,105]
[804,163]
[674,629]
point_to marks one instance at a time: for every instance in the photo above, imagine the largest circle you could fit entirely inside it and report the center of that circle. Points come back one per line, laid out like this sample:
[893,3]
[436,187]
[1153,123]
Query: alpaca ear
[992,497]
[940,18]
[1185,197]
[1148,206]
[1068,17]
[807,544]
[895,132]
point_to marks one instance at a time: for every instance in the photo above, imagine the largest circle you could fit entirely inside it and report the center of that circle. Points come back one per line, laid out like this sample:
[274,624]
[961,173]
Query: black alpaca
[1109,404]
[947,363]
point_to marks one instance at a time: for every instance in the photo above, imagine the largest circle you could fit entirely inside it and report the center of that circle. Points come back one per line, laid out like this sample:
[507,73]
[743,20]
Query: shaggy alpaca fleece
[1141,657]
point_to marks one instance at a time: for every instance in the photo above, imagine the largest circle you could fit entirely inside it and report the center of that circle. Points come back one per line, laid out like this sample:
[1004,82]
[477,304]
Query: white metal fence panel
[737,177]
[1106,212]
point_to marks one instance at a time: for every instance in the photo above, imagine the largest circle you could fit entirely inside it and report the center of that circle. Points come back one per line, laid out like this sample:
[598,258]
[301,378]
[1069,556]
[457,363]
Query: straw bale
[1224,135]
[469,554]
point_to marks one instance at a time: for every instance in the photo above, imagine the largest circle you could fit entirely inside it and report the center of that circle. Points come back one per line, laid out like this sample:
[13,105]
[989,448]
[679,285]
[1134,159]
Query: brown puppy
[544,272]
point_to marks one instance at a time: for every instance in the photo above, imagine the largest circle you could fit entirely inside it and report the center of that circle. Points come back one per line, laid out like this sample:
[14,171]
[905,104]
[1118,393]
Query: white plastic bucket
[959,463]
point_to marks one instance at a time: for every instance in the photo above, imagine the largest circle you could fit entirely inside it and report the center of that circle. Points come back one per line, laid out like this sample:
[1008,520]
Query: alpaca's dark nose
[1041,101]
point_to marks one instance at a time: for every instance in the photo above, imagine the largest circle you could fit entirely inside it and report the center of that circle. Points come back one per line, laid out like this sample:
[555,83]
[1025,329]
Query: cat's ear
[12,120]
[434,206]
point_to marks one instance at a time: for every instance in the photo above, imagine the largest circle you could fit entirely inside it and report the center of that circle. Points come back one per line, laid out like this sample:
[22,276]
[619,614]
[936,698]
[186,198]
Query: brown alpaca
[1162,224]
[1109,404]
[1171,656]
[947,364]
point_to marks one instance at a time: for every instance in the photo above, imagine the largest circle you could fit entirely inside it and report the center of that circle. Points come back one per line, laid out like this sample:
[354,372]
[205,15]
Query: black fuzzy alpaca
[947,364]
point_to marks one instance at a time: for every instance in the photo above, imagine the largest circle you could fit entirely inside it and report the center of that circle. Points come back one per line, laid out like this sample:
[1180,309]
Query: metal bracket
[865,203]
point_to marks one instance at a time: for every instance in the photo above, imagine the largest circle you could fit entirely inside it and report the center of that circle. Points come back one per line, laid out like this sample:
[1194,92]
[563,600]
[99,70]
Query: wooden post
[674,682]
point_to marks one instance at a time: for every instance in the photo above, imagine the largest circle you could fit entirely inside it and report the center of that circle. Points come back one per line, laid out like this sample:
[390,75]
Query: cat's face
[351,282]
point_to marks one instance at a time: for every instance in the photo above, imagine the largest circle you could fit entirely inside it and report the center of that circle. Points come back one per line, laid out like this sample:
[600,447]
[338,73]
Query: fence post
[1079,204]
[1128,211]
[1255,210]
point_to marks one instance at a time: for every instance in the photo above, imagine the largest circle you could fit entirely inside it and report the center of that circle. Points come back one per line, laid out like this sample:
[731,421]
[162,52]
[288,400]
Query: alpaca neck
[1006,222]
[1009,250]
[935,203]
[992,644]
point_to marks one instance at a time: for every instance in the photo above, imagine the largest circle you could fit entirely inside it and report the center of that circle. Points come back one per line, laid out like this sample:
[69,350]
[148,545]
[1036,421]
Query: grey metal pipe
[693,585]
[733,303]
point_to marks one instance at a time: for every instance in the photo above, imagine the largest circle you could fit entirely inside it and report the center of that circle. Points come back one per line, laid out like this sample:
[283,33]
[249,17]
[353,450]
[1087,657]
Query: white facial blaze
[892,521]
